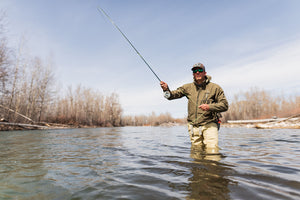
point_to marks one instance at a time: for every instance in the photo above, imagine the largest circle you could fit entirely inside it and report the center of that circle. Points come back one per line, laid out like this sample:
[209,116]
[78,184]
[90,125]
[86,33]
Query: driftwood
[17,113]
[252,121]
[292,122]
[34,125]
[294,116]
[25,126]
[288,122]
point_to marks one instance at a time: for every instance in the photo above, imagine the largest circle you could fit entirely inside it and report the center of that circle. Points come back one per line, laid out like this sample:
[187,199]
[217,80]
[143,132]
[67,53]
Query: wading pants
[206,135]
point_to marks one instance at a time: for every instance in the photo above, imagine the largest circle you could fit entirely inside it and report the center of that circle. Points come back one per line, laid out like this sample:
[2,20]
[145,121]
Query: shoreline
[282,123]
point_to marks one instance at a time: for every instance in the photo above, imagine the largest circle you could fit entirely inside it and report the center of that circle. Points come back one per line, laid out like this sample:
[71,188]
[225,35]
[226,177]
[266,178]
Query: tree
[258,104]
[4,61]
[113,110]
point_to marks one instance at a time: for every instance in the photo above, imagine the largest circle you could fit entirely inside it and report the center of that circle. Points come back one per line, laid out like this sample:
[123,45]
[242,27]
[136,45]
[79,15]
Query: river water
[148,163]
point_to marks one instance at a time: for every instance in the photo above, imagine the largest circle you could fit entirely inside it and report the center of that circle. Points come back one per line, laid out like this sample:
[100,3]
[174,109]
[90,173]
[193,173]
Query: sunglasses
[198,70]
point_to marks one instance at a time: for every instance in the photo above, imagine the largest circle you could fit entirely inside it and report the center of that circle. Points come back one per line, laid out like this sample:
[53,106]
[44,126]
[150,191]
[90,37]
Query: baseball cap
[198,65]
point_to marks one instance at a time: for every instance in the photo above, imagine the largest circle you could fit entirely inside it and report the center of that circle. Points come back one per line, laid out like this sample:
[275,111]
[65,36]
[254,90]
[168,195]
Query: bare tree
[4,60]
[45,88]
[17,79]
[113,110]
[258,104]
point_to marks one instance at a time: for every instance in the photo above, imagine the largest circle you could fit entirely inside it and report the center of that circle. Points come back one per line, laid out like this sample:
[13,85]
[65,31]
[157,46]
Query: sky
[243,44]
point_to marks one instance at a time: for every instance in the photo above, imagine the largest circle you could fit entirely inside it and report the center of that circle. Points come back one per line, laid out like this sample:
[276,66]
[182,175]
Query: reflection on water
[148,163]
[209,179]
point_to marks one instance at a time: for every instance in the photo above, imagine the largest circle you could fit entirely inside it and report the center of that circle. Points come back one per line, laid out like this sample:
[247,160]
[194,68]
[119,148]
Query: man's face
[199,75]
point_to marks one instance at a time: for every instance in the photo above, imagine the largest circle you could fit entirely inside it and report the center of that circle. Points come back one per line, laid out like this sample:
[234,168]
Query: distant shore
[278,123]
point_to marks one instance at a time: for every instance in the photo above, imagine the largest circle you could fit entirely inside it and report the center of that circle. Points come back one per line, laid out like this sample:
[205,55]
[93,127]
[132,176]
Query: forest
[29,93]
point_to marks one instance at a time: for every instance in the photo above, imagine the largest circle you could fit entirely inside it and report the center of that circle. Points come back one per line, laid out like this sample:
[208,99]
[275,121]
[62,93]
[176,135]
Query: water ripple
[148,163]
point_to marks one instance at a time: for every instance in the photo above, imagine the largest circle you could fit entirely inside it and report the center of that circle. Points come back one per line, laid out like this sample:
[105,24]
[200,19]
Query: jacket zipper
[197,104]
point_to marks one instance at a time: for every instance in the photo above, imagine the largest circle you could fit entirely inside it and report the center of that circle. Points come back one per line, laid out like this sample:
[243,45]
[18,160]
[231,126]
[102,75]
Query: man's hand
[164,86]
[204,107]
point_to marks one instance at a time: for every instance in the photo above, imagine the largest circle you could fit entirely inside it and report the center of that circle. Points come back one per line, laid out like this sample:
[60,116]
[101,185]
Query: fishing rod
[102,11]
[167,93]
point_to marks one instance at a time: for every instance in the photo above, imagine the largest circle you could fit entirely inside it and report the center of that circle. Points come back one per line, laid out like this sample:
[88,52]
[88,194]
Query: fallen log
[17,113]
[253,121]
[292,122]
[25,126]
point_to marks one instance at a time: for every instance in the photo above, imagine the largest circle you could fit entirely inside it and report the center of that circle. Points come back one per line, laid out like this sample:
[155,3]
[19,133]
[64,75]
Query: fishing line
[115,25]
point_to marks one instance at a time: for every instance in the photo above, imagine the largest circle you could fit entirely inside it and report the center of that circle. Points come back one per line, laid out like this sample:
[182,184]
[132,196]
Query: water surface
[148,163]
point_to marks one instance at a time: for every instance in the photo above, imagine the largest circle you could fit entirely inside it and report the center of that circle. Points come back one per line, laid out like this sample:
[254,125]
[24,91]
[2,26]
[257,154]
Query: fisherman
[206,100]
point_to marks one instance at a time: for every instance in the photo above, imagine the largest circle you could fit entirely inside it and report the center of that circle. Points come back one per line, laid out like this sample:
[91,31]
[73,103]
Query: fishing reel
[167,94]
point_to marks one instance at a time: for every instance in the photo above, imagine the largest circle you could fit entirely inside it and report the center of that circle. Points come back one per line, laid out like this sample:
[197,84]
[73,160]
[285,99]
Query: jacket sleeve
[178,93]
[221,103]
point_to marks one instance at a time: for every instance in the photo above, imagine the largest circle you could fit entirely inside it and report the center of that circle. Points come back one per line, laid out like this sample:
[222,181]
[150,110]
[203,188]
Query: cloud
[276,68]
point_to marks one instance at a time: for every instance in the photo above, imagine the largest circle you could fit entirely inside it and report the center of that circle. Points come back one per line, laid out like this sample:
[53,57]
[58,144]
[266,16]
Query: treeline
[259,104]
[29,93]
[85,107]
[151,120]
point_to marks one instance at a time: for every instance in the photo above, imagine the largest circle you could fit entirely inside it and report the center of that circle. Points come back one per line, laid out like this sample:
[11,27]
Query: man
[205,101]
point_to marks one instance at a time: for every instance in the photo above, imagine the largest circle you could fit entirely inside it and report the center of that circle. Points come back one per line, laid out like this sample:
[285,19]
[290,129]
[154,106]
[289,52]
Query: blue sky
[243,44]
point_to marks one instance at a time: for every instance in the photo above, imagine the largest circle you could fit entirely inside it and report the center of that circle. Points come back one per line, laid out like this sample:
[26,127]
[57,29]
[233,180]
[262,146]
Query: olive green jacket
[206,93]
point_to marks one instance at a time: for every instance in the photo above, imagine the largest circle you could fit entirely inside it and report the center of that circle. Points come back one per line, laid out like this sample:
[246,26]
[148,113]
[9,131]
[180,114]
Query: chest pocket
[206,97]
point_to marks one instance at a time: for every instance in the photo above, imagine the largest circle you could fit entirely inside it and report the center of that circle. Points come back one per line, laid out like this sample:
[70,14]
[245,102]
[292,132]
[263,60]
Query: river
[148,163]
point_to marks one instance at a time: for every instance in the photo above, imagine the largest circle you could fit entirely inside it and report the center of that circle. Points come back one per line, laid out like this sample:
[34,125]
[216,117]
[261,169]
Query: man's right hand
[164,86]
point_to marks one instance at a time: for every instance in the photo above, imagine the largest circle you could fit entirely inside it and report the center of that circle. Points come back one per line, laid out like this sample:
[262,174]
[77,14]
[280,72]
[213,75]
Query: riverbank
[290,123]
[278,123]
[274,123]
[6,126]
